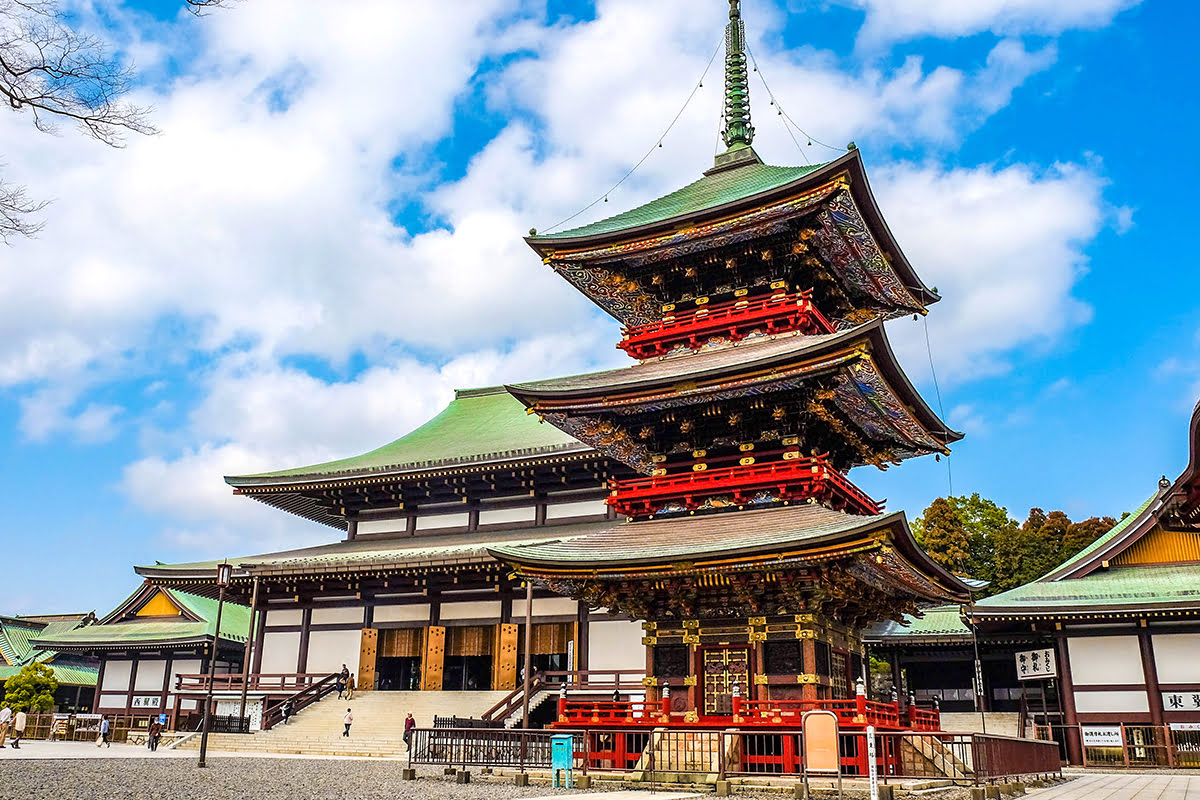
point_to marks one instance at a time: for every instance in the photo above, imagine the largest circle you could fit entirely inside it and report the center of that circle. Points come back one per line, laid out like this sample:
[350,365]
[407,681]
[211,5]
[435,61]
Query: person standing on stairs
[409,724]
[347,720]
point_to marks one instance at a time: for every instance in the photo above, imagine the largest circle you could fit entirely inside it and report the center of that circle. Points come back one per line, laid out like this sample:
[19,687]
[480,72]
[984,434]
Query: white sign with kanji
[1036,664]
[1181,701]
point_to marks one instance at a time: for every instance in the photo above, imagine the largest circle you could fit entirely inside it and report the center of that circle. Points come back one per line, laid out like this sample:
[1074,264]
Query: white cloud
[900,20]
[1004,249]
[260,224]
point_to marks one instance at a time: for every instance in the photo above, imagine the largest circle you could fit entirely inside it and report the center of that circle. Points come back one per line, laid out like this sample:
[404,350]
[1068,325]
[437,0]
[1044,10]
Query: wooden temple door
[721,669]
[365,678]
[506,658]
[434,658]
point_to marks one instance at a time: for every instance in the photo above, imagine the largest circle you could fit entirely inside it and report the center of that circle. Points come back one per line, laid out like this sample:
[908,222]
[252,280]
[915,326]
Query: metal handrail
[300,700]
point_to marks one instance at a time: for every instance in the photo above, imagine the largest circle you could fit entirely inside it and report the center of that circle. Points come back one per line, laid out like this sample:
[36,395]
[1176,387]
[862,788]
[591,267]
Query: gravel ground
[228,778]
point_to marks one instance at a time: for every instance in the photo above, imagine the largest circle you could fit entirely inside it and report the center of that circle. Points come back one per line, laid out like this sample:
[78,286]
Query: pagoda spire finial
[738,131]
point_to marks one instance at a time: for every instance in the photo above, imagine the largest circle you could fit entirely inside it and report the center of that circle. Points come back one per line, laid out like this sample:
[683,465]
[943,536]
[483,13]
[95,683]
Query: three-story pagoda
[753,301]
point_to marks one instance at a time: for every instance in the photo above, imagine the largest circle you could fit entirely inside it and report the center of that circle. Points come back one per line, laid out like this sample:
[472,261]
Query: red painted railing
[794,479]
[779,313]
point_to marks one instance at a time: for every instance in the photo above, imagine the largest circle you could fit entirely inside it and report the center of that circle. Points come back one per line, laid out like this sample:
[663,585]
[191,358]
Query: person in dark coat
[155,733]
[409,724]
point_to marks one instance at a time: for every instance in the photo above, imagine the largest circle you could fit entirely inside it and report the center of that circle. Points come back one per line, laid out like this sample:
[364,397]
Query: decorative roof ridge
[481,391]
[1090,555]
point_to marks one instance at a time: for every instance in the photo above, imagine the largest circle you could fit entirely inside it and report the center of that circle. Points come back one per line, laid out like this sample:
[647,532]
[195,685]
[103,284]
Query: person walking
[350,687]
[347,720]
[340,685]
[103,740]
[5,721]
[19,720]
[286,711]
[345,673]
[155,735]
[409,724]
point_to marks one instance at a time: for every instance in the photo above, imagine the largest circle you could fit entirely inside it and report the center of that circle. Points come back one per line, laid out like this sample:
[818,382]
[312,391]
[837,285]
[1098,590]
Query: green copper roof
[1122,586]
[479,425]
[712,190]
[1112,534]
[235,622]
[940,622]
[65,674]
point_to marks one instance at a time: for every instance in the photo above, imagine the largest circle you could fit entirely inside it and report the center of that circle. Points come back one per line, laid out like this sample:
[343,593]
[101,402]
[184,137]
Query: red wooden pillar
[1151,672]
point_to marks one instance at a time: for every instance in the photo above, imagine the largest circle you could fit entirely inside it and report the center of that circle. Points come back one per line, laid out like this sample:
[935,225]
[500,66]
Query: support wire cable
[783,113]
[941,409]
[657,143]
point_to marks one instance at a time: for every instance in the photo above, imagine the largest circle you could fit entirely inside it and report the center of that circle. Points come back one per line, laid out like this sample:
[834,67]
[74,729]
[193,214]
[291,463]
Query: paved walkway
[40,748]
[1123,786]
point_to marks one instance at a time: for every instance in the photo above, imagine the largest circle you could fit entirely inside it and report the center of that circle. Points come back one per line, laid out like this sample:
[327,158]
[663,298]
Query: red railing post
[860,702]
[665,704]
[737,703]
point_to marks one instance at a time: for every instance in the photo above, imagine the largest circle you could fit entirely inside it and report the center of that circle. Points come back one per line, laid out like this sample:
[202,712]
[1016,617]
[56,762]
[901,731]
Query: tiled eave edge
[352,478]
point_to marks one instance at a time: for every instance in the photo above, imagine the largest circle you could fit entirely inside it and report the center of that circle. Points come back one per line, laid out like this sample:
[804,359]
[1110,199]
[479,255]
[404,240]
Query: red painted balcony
[779,313]
[790,480]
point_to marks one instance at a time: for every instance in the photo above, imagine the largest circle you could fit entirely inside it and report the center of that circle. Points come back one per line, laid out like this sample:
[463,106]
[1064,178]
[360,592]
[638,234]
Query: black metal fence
[464,722]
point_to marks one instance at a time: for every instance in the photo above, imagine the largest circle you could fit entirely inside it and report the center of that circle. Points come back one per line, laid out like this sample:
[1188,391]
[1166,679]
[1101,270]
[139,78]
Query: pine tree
[945,538]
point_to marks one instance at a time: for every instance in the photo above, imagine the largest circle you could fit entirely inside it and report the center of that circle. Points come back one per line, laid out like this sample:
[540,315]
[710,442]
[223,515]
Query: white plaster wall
[1105,659]
[546,607]
[1177,657]
[116,675]
[394,525]
[328,650]
[580,508]
[280,652]
[479,609]
[615,644]
[496,516]
[435,521]
[418,612]
[112,701]
[188,666]
[326,616]
[149,677]
[284,616]
[1122,702]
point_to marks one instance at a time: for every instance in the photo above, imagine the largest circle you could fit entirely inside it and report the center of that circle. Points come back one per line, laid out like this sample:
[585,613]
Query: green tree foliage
[974,536]
[31,689]
[944,536]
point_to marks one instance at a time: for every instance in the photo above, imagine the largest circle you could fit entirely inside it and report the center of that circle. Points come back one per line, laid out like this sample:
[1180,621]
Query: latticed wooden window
[469,641]
[671,661]
[401,643]
[837,675]
[550,638]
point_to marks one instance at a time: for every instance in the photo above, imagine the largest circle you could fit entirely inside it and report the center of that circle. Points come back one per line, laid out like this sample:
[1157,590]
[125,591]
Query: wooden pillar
[260,636]
[302,655]
[133,667]
[99,683]
[897,678]
[1071,732]
[651,691]
[809,691]
[1151,671]
[758,691]
[693,689]
[351,528]
[581,638]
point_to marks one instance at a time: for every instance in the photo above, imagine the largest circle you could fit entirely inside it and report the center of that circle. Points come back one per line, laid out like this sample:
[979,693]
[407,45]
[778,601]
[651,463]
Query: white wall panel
[1105,659]
[285,616]
[479,609]
[1177,657]
[113,701]
[149,677]
[435,521]
[418,612]
[329,650]
[280,652]
[546,607]
[496,516]
[615,644]
[394,525]
[116,675]
[581,508]
[1123,702]
[186,666]
[327,616]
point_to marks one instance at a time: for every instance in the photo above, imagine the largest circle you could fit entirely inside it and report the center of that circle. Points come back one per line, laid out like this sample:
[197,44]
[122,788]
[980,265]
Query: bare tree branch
[54,73]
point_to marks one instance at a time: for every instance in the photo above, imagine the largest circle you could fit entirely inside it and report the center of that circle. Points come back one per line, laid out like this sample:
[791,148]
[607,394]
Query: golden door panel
[723,669]
[366,659]
[435,657]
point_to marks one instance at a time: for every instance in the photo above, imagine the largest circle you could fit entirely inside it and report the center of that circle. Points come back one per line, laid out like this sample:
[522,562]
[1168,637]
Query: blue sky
[324,241]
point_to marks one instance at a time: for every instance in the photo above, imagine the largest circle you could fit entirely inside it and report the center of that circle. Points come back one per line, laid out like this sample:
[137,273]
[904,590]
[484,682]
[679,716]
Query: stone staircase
[378,728]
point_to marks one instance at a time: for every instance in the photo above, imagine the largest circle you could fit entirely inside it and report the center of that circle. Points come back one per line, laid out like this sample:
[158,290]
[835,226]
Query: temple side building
[20,646]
